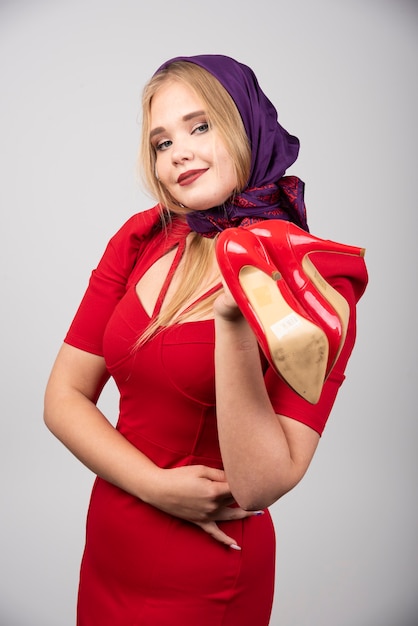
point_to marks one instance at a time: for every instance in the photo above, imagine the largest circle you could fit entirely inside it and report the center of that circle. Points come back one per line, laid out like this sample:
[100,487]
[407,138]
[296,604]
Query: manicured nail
[258,513]
[234,546]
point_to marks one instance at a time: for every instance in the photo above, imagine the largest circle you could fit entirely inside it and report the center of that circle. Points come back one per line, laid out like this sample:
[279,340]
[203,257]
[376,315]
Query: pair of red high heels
[299,319]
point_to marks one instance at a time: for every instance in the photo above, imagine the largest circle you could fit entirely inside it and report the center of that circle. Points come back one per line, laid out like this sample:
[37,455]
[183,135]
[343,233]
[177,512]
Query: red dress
[143,567]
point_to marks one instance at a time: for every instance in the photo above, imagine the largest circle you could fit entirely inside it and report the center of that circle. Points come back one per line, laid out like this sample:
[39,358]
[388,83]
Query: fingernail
[234,546]
[258,513]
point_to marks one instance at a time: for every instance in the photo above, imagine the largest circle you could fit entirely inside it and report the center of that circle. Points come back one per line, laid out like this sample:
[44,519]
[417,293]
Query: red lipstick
[187,178]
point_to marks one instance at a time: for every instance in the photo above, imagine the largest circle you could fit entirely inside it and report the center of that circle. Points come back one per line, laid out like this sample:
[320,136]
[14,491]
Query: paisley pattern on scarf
[281,201]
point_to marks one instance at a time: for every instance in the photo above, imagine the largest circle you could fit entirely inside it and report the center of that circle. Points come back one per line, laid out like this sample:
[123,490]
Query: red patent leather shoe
[296,347]
[299,319]
[291,247]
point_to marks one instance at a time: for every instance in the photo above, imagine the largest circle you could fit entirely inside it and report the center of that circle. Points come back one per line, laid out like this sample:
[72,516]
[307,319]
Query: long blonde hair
[222,114]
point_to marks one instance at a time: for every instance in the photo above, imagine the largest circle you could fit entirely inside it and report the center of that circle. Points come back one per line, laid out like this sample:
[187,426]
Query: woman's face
[191,159]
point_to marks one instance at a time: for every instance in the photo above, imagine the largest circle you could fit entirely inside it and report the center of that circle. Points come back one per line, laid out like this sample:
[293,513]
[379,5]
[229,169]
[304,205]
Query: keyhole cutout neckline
[153,310]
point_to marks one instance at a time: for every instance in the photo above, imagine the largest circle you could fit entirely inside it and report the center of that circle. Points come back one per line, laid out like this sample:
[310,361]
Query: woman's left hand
[225,305]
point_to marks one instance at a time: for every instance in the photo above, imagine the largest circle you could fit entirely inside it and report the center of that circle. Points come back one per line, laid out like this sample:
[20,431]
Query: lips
[187,178]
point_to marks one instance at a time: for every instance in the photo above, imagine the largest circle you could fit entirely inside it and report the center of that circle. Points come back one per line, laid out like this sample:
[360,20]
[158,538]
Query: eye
[201,128]
[163,145]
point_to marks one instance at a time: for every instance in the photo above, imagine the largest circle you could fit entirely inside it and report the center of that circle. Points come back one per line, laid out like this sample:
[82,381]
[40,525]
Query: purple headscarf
[268,195]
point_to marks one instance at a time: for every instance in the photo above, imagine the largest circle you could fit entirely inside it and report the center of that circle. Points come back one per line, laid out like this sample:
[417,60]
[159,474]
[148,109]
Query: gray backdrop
[343,76]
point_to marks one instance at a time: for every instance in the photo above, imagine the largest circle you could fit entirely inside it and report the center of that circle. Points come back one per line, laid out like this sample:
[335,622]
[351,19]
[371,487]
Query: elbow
[257,502]
[259,497]
[48,417]
[50,411]
[53,420]
[253,499]
[253,505]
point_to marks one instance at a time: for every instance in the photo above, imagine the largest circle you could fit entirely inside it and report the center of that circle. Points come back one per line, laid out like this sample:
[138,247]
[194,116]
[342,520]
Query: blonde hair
[223,115]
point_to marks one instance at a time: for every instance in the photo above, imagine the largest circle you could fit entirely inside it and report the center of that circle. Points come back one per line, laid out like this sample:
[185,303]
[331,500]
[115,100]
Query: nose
[181,152]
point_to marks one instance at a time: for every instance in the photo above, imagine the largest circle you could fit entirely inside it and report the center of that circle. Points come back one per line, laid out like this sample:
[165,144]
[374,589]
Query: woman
[208,434]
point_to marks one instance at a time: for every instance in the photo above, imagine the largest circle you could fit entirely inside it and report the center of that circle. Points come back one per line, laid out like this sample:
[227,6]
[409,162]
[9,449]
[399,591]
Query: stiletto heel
[296,347]
[290,248]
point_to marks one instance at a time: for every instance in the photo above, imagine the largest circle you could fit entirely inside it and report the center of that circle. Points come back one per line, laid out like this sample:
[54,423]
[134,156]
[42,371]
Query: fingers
[227,514]
[220,488]
[211,473]
[214,531]
[226,307]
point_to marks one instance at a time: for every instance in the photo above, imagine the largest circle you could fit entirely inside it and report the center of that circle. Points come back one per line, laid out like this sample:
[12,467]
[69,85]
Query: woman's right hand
[201,495]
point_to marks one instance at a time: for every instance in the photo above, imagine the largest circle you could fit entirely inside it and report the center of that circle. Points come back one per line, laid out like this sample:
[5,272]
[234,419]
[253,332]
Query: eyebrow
[185,118]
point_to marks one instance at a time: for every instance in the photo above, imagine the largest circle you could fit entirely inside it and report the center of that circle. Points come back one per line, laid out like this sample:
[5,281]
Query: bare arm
[76,381]
[199,494]
[265,455]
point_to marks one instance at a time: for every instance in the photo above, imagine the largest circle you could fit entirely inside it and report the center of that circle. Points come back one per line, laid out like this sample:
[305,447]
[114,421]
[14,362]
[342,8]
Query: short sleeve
[287,402]
[108,282]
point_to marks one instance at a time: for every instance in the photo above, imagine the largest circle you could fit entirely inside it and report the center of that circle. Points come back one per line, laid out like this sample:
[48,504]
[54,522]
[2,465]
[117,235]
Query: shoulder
[125,245]
[139,226]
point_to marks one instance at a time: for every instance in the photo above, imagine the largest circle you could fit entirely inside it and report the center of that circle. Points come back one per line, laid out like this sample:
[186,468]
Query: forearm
[255,451]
